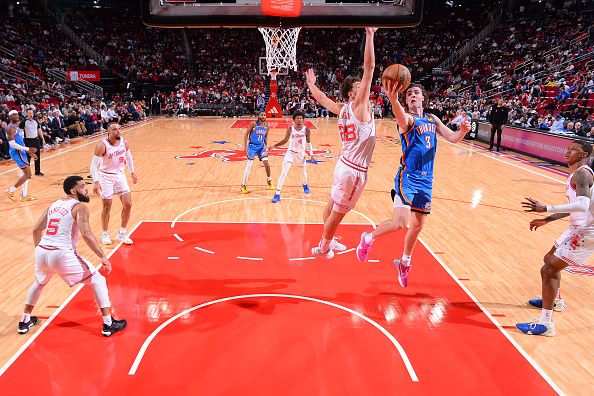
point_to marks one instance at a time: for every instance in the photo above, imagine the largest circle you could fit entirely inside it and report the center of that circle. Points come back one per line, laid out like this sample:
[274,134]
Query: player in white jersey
[107,170]
[357,132]
[298,136]
[575,245]
[55,253]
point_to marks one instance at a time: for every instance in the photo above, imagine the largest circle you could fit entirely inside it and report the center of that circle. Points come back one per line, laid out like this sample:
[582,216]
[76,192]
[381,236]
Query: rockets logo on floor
[231,155]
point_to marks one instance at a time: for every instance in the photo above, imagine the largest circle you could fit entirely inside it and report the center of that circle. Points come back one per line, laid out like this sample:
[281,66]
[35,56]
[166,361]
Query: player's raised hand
[370,30]
[97,188]
[534,224]
[310,77]
[465,126]
[532,205]
[134,178]
[391,90]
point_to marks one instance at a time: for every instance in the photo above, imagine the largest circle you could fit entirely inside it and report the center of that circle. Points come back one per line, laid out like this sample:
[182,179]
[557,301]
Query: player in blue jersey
[414,180]
[18,152]
[255,143]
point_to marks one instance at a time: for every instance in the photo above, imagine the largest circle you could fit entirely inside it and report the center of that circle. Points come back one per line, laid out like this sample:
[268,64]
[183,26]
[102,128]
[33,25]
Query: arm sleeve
[17,146]
[130,161]
[310,149]
[95,162]
[581,204]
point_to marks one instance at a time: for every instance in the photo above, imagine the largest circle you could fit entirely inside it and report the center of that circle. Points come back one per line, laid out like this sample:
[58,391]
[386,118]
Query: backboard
[314,13]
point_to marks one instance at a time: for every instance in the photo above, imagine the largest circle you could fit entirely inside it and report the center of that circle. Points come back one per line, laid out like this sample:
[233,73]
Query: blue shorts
[20,157]
[414,190]
[252,151]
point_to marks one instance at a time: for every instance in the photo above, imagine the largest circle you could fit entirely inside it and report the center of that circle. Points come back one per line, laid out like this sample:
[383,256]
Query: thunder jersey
[297,140]
[61,230]
[114,158]
[419,146]
[580,219]
[258,134]
[358,139]
[18,138]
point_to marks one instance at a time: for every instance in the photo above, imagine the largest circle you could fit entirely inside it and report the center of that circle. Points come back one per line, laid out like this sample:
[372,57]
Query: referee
[33,138]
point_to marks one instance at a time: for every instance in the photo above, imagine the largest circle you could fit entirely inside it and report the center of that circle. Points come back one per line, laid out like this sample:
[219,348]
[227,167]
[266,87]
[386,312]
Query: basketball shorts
[347,187]
[413,190]
[20,157]
[111,184]
[295,157]
[71,267]
[575,245]
[260,151]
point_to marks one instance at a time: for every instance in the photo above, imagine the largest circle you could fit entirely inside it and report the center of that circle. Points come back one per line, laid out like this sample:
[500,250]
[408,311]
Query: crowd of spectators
[539,66]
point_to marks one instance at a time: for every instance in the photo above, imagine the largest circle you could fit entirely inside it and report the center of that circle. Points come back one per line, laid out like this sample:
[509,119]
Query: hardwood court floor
[477,227]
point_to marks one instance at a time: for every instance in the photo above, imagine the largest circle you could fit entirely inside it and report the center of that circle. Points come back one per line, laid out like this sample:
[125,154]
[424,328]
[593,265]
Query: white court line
[505,333]
[301,258]
[55,313]
[172,258]
[93,140]
[250,222]
[373,261]
[505,162]
[250,258]
[178,237]
[346,251]
[202,250]
[251,199]
[147,342]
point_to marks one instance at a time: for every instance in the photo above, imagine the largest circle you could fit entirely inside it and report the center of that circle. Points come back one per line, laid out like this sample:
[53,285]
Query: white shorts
[575,245]
[347,187]
[65,262]
[113,184]
[298,158]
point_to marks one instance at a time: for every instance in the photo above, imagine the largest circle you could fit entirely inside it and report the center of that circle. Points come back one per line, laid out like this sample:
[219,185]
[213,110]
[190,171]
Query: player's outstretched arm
[536,223]
[404,120]
[583,181]
[320,96]
[308,141]
[361,105]
[285,139]
[39,227]
[81,213]
[448,134]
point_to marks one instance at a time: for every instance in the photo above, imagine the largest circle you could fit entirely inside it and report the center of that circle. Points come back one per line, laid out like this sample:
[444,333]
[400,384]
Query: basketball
[398,74]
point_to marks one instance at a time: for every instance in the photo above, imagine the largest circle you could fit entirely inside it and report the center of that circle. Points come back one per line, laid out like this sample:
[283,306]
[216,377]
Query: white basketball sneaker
[123,236]
[105,238]
[339,247]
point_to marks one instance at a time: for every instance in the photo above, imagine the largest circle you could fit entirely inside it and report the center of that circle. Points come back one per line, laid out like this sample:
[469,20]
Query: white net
[281,48]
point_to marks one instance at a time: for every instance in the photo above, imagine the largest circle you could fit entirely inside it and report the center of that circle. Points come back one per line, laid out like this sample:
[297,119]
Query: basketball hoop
[281,48]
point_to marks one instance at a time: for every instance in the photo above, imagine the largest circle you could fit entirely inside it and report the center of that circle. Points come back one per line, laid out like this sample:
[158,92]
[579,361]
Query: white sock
[11,189]
[25,318]
[246,173]
[122,230]
[25,188]
[369,238]
[546,316]
[406,259]
[107,320]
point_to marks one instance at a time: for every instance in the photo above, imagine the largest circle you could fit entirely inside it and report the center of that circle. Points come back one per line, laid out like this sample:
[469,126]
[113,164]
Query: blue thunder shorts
[260,151]
[414,190]
[20,157]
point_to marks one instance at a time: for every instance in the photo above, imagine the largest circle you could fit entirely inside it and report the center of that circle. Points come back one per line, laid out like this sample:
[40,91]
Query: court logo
[232,155]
